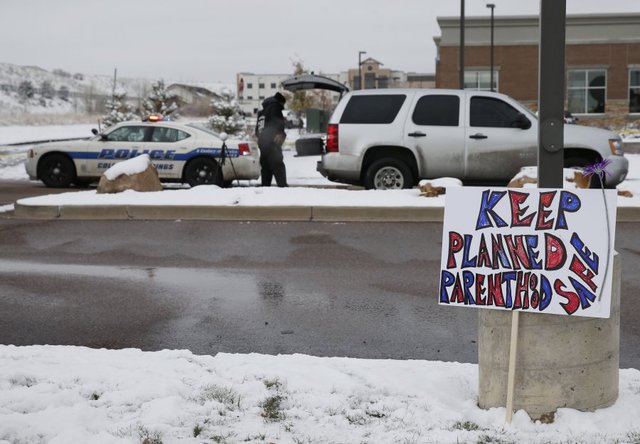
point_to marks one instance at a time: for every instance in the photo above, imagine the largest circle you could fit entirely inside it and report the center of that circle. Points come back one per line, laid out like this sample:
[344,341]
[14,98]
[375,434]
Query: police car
[184,153]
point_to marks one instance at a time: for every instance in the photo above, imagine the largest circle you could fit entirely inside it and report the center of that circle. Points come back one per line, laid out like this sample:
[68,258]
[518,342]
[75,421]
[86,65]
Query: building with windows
[377,77]
[252,88]
[374,75]
[602,62]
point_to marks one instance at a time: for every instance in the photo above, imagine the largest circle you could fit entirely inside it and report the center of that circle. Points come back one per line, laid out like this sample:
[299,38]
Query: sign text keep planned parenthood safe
[533,250]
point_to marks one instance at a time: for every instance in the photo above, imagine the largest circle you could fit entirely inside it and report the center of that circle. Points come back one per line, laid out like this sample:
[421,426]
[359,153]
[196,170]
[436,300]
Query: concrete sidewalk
[248,213]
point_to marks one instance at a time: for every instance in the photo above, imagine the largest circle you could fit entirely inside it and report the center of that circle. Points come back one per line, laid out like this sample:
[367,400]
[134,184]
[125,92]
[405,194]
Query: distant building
[375,77]
[192,100]
[252,88]
[602,65]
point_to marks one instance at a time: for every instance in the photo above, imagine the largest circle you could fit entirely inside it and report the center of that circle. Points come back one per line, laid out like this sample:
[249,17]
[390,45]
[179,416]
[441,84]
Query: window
[586,91]
[437,110]
[273,86]
[261,85]
[634,91]
[373,109]
[127,134]
[249,85]
[369,80]
[168,135]
[480,80]
[249,97]
[490,112]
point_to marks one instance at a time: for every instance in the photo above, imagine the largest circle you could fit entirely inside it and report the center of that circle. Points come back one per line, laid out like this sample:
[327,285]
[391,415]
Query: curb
[245,213]
[227,213]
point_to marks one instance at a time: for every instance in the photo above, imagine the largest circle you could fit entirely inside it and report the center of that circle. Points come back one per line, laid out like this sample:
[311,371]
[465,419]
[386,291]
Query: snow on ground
[308,187]
[63,394]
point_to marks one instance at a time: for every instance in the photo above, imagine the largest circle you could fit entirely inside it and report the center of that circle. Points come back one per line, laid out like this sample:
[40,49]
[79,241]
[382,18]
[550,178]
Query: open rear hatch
[313,144]
[312,81]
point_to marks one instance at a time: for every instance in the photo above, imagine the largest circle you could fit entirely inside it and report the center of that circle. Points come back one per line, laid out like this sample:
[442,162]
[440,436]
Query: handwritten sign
[533,250]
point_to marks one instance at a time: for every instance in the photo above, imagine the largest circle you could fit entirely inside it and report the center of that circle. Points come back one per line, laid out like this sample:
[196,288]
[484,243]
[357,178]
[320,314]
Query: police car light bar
[154,118]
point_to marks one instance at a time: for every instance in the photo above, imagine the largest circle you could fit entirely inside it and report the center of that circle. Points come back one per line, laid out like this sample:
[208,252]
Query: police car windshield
[203,128]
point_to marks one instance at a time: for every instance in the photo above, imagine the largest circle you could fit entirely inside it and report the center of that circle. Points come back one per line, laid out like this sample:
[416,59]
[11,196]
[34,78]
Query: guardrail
[35,142]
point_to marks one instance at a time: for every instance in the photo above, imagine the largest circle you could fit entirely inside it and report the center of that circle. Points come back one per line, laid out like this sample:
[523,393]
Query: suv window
[437,110]
[381,108]
[490,112]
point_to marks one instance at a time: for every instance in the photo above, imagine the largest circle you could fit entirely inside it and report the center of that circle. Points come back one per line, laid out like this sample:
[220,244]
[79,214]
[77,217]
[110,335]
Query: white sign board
[530,249]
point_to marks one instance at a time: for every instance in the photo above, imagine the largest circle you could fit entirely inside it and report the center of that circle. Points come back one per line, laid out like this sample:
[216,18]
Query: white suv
[392,138]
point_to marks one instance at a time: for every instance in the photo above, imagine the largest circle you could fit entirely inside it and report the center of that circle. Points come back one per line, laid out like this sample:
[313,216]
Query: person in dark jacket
[271,135]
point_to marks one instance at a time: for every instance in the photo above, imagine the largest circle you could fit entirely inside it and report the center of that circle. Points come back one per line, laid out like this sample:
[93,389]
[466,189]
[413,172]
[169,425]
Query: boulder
[581,180]
[529,175]
[625,193]
[136,174]
[520,181]
[429,190]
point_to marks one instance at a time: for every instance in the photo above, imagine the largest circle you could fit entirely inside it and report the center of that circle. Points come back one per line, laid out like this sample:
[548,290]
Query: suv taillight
[244,149]
[332,138]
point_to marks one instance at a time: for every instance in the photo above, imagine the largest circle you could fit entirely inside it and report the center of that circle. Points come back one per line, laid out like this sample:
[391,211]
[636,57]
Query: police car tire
[203,171]
[57,171]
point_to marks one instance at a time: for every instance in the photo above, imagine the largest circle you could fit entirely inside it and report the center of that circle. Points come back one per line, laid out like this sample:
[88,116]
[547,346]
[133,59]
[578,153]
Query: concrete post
[562,361]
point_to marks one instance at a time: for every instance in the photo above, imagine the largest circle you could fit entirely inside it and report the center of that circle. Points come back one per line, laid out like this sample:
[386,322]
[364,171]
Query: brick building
[602,62]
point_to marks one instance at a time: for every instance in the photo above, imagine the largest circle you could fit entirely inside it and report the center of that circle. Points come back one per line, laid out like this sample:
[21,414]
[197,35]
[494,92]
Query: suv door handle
[478,136]
[417,134]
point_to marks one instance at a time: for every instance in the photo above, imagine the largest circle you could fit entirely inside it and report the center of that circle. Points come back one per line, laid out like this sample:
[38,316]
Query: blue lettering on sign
[163,166]
[126,153]
[129,153]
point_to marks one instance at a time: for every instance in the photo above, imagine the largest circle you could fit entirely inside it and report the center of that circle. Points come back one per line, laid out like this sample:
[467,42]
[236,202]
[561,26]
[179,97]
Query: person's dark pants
[272,164]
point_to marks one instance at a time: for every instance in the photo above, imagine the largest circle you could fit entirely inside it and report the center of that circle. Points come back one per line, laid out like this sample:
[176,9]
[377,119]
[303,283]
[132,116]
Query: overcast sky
[212,40]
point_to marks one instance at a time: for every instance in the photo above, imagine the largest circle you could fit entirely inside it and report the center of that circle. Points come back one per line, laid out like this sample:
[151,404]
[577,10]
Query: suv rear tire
[388,173]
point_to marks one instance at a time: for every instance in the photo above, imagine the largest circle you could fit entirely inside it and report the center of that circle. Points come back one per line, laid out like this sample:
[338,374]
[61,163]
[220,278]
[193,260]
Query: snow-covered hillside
[62,92]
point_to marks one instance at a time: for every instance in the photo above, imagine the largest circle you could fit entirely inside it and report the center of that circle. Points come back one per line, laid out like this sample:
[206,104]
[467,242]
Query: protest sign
[532,250]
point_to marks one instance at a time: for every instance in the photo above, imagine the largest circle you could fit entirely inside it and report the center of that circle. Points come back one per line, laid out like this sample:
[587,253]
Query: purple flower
[598,168]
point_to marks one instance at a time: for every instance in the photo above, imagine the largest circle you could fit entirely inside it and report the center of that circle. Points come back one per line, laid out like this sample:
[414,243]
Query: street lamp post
[360,67]
[491,6]
[461,44]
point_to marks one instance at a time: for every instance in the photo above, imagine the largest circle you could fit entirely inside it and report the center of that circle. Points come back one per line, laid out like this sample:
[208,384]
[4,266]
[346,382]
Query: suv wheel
[388,174]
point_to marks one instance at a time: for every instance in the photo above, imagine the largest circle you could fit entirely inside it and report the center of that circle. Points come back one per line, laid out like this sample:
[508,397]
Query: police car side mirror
[94,131]
[103,137]
[224,136]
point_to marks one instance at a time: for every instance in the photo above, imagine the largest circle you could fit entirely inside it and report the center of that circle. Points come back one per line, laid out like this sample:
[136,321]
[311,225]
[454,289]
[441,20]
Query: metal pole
[360,68]
[550,132]
[461,44]
[113,91]
[492,6]
[551,93]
